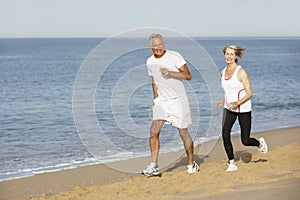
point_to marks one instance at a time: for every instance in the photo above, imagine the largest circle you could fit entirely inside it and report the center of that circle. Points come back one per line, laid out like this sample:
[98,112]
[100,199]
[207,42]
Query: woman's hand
[233,105]
[219,103]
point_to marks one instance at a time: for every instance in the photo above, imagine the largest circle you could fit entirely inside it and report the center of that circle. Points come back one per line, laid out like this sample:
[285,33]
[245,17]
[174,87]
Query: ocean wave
[39,170]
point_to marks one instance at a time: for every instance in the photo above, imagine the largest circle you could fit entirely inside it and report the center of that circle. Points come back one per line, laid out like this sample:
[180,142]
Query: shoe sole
[231,170]
[152,175]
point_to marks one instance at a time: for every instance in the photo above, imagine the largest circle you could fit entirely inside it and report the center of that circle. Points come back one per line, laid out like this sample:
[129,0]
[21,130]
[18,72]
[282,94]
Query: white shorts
[174,112]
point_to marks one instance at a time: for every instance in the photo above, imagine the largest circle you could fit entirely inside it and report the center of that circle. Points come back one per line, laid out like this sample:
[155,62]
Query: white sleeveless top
[234,91]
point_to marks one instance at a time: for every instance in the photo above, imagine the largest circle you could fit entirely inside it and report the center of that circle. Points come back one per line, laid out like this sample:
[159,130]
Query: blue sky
[99,18]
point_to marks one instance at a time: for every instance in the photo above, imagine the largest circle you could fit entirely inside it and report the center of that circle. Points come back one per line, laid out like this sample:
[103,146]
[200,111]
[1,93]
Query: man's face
[157,47]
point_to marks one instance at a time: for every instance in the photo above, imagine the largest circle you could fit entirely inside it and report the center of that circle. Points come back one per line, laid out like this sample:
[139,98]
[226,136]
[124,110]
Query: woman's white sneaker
[231,167]
[264,147]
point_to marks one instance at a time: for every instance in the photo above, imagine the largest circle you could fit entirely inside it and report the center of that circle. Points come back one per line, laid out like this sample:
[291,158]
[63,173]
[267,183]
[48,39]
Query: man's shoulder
[150,58]
[172,52]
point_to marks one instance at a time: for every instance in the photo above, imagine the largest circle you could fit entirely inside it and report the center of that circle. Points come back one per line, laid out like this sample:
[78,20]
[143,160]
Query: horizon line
[133,37]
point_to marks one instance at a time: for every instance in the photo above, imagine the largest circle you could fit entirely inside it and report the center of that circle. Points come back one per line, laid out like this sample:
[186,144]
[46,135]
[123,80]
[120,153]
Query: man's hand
[165,72]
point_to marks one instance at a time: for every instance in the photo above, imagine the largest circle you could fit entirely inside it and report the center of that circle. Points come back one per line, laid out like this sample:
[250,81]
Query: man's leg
[154,139]
[188,144]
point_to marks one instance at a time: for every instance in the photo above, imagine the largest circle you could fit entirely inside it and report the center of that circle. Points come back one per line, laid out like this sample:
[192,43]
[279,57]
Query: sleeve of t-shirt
[148,69]
[179,61]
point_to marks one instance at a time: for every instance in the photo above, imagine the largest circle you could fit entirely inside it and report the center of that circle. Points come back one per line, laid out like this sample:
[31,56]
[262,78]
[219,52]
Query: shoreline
[49,184]
[57,168]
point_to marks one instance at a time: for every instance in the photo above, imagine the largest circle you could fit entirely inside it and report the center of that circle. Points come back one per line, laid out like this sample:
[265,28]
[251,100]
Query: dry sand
[275,175]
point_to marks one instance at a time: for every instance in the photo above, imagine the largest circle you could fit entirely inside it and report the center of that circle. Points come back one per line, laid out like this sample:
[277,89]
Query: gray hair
[155,35]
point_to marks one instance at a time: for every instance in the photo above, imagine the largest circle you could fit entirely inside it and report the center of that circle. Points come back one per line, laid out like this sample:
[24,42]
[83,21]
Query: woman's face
[230,56]
[157,47]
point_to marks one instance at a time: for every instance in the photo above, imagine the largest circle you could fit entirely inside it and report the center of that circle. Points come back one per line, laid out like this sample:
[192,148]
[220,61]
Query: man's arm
[183,74]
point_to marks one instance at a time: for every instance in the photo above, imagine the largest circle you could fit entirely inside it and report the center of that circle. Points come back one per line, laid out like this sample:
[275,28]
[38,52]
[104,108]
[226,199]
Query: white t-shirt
[167,88]
[172,103]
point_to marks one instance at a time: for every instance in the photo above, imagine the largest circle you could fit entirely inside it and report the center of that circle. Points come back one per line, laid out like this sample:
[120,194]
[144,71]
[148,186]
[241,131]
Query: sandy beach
[275,175]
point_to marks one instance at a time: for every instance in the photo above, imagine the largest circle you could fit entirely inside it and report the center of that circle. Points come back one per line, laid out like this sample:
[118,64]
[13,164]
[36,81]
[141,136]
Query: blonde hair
[237,50]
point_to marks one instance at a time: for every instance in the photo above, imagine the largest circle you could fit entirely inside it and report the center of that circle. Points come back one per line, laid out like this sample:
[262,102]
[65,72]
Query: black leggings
[245,124]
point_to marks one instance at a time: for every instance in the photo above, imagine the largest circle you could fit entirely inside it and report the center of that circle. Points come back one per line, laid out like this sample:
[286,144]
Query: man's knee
[154,132]
[156,127]
[184,134]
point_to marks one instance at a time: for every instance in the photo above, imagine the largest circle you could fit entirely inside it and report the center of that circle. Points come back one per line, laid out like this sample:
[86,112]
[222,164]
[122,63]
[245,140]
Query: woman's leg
[245,124]
[228,121]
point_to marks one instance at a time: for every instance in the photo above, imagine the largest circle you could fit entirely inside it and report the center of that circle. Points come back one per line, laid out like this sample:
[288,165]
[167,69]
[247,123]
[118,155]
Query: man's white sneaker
[193,168]
[231,167]
[264,147]
[151,170]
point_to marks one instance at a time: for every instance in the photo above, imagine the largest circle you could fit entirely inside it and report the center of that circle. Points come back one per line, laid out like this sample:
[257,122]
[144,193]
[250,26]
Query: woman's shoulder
[242,73]
[223,70]
[241,70]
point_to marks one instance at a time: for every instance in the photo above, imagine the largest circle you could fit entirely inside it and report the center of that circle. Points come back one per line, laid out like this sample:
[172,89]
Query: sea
[62,107]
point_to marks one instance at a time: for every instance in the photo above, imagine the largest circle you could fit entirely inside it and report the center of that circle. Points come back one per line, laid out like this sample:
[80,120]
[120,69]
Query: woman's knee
[246,142]
[226,136]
